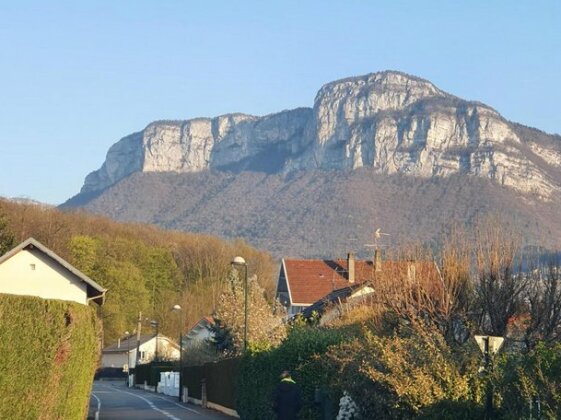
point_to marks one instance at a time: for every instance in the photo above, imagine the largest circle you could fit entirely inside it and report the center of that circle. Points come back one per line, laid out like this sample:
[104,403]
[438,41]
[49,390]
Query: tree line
[146,269]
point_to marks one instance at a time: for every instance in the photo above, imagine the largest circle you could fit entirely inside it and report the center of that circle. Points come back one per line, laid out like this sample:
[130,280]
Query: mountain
[385,149]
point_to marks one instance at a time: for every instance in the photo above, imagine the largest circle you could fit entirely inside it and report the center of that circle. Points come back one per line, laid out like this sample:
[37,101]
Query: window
[32,266]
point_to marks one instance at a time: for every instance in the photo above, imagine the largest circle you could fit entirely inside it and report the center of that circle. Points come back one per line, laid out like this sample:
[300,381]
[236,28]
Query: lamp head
[238,261]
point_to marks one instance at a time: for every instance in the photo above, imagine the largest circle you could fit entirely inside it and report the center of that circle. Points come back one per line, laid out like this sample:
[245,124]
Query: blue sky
[75,77]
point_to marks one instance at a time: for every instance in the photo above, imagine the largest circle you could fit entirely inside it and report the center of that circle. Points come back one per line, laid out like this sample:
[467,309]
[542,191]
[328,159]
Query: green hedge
[301,354]
[48,354]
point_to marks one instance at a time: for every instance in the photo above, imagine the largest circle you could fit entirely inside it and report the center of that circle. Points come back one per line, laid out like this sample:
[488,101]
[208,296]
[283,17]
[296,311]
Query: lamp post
[128,335]
[238,262]
[178,308]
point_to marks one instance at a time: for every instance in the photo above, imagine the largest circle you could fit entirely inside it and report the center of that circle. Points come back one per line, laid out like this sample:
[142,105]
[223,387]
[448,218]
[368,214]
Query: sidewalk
[209,411]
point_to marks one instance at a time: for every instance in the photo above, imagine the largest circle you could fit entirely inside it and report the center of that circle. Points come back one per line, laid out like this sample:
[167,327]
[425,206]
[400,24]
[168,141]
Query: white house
[199,333]
[123,353]
[31,269]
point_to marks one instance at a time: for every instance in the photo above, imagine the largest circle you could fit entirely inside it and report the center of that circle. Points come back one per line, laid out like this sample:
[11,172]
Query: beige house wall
[31,273]
[147,350]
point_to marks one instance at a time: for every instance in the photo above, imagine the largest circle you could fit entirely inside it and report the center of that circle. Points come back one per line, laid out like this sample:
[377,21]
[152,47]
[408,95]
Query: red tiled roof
[310,280]
[208,319]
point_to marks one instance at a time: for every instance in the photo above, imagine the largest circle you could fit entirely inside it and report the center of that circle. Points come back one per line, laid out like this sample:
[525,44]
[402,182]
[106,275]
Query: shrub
[49,354]
[400,375]
[521,378]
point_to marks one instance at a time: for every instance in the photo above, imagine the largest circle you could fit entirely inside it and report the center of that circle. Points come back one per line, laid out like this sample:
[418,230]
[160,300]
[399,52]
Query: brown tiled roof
[310,280]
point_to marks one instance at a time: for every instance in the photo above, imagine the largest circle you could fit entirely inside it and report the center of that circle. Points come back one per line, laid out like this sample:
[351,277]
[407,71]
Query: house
[31,269]
[122,354]
[333,305]
[199,333]
[303,283]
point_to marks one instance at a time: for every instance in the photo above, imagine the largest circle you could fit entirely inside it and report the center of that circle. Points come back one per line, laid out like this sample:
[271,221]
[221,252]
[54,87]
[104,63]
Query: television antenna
[377,236]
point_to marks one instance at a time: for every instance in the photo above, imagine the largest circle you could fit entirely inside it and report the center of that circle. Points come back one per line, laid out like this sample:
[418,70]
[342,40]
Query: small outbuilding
[31,269]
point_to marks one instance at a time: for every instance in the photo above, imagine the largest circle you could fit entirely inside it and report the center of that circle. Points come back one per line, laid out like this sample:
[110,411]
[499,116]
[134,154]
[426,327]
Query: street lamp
[128,335]
[238,262]
[178,308]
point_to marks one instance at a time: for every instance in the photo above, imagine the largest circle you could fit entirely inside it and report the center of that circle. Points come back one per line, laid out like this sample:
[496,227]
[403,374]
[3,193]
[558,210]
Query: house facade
[122,354]
[31,269]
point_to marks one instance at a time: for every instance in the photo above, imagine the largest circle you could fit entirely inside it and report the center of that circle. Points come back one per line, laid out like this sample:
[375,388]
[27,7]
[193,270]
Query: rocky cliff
[389,122]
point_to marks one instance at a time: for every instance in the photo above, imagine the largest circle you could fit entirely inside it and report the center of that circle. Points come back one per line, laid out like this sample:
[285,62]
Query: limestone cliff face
[123,158]
[388,121]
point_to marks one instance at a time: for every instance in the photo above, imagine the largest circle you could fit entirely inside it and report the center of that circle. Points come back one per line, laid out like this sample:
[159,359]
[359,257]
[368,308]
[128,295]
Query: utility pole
[139,326]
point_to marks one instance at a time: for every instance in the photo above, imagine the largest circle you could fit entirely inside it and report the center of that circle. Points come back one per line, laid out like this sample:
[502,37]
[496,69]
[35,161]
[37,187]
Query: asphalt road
[113,400]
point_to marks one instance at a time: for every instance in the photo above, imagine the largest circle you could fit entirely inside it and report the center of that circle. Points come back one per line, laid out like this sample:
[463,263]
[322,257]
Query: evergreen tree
[221,337]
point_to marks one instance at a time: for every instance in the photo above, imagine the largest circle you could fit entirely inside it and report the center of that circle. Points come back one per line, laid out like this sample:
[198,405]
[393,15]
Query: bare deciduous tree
[544,303]
[500,282]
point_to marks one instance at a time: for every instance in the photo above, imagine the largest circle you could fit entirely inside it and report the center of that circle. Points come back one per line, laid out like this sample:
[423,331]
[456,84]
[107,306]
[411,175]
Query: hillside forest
[146,269]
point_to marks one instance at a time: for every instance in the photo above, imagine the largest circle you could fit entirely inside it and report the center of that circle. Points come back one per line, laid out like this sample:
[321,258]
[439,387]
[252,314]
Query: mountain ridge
[378,125]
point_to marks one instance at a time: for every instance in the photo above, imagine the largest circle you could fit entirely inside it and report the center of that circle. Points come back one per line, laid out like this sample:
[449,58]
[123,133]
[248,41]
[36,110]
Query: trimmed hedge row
[49,351]
[300,353]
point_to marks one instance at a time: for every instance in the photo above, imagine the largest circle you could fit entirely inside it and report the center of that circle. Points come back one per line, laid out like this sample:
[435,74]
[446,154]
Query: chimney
[377,260]
[118,343]
[351,267]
